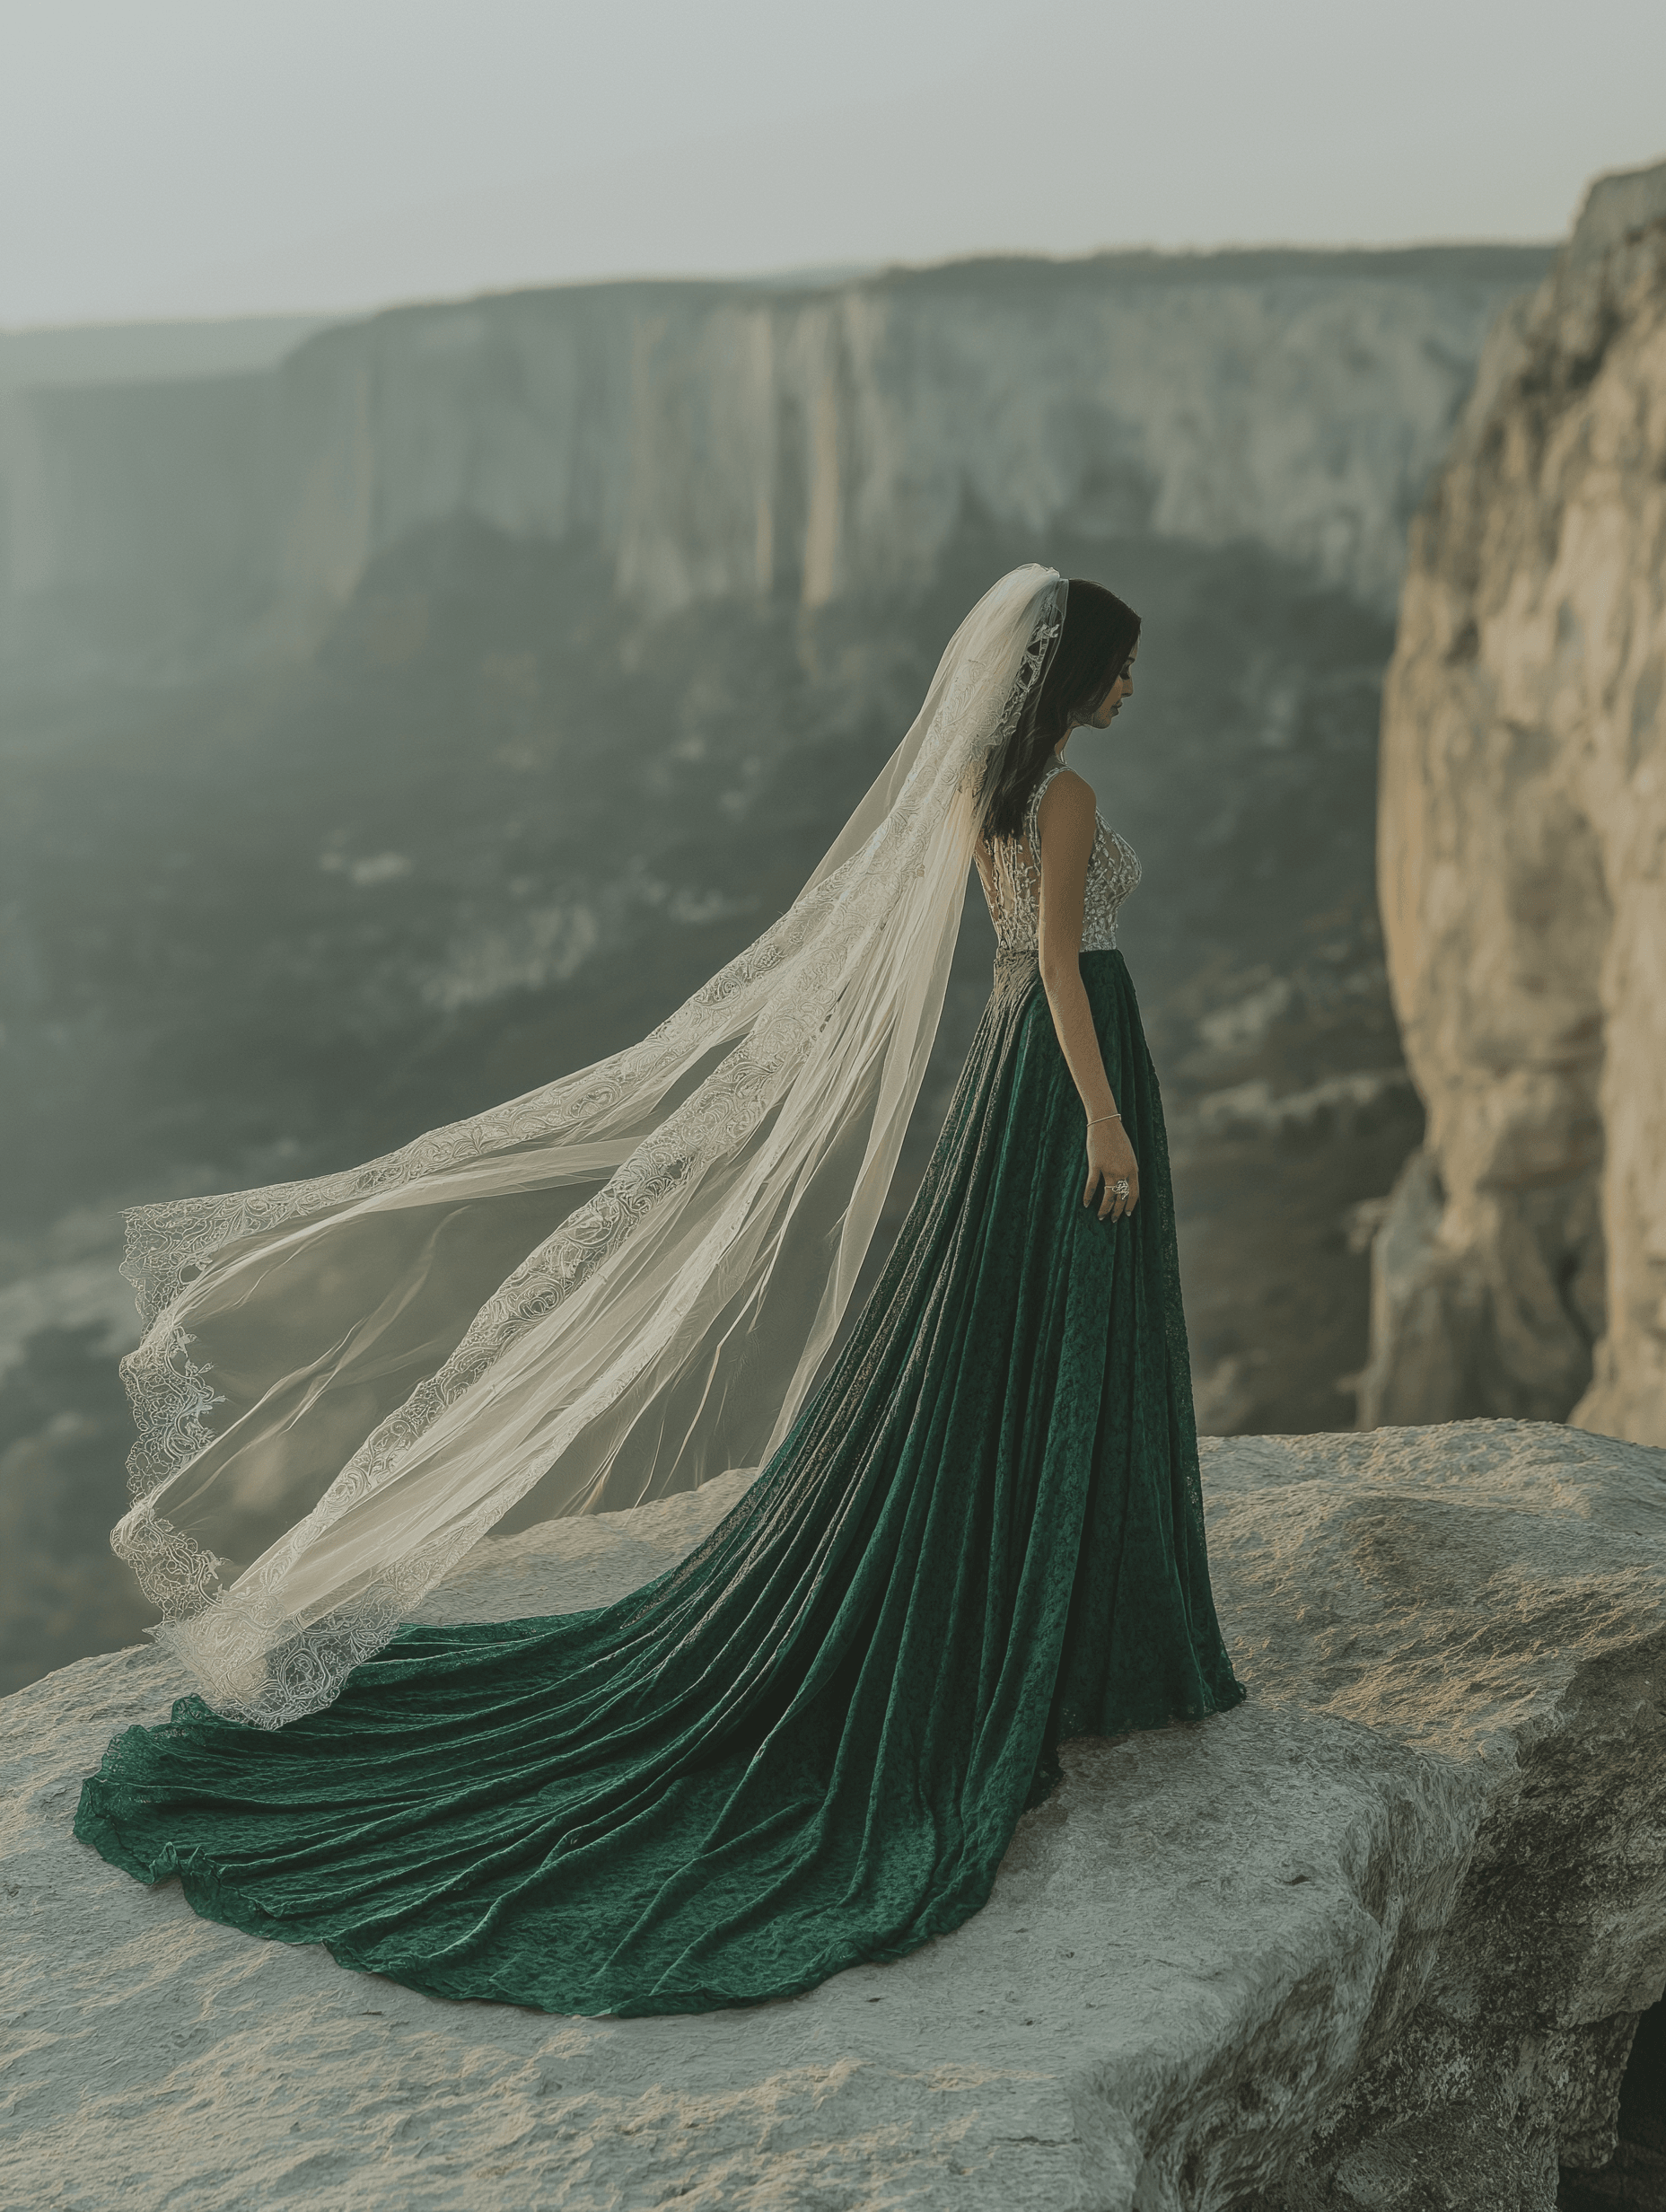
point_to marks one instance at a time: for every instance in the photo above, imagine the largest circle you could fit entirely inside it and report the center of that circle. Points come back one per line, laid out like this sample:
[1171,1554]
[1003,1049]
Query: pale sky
[162,158]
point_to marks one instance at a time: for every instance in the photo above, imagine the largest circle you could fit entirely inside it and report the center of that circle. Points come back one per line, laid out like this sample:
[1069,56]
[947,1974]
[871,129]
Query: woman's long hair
[1099,632]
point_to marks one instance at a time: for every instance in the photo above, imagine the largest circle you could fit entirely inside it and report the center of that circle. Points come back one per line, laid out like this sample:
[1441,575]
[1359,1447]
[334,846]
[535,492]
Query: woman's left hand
[1110,1161]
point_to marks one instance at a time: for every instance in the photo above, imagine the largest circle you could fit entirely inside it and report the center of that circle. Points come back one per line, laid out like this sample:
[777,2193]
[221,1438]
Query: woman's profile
[809,1743]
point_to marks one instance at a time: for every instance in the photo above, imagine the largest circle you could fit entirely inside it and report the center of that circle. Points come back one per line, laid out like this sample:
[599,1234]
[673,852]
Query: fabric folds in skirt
[809,1743]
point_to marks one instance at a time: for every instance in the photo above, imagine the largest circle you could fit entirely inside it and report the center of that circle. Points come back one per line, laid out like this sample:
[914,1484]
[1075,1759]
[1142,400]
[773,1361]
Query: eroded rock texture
[721,445]
[1379,1938]
[1522,847]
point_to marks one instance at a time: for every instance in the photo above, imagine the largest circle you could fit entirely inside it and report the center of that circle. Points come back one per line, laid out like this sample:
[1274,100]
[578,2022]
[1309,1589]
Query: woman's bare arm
[1067,822]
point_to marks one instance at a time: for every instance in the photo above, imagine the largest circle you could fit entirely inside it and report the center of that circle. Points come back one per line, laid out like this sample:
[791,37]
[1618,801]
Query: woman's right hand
[1110,1157]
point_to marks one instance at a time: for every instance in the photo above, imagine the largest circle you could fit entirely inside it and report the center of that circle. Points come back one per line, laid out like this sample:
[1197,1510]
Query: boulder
[1379,1938]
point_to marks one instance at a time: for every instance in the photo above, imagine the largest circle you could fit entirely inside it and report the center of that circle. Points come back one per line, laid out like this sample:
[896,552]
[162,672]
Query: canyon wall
[1521,855]
[388,727]
[718,442]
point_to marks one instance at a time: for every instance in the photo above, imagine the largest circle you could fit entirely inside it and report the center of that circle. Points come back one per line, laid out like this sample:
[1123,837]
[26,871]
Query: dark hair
[1099,632]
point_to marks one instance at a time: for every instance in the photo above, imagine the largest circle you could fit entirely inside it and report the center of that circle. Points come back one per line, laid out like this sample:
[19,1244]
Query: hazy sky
[210,157]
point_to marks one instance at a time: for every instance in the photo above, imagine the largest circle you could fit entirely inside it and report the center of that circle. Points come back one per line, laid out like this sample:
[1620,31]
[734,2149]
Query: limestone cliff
[720,442]
[1521,852]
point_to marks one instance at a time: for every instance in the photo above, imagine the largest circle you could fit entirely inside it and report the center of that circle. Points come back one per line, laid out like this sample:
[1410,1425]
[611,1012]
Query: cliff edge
[1379,1938]
[1522,858]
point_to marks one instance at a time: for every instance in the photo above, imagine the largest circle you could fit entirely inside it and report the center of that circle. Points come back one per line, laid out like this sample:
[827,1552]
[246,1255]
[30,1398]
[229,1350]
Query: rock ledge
[1379,1938]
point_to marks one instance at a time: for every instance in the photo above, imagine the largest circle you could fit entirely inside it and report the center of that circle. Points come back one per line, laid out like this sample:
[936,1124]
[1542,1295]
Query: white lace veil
[610,1288]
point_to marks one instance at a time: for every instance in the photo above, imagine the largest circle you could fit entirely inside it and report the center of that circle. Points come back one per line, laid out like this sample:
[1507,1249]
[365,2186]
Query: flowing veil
[610,1288]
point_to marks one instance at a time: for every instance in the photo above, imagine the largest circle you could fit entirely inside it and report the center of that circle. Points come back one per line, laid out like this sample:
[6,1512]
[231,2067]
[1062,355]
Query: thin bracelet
[1099,1118]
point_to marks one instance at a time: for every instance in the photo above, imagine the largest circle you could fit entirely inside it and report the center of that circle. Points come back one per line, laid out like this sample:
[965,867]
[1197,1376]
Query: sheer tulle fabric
[810,1742]
[608,1289]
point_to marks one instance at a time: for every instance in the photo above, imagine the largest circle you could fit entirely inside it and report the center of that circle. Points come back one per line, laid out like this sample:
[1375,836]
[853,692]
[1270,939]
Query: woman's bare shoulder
[1069,800]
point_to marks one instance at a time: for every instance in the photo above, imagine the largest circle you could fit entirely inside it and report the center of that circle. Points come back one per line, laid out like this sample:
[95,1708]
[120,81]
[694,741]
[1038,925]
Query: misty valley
[395,836]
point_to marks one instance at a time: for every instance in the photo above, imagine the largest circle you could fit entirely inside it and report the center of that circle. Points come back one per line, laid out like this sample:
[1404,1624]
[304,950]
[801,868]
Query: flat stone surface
[1199,1958]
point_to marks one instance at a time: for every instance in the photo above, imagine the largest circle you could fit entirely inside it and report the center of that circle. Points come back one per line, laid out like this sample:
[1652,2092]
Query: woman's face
[1122,689]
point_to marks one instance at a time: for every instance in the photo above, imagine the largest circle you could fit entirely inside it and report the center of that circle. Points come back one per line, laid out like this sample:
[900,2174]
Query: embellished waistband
[1014,973]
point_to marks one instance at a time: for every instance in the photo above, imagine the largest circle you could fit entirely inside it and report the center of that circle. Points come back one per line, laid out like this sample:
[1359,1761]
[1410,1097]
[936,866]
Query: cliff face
[715,441]
[1521,852]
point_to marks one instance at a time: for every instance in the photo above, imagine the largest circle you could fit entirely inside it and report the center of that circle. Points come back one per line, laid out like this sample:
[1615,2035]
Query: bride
[981,1535]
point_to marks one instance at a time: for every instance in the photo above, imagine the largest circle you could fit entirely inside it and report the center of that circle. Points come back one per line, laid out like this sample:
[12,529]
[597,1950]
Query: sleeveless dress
[810,1742]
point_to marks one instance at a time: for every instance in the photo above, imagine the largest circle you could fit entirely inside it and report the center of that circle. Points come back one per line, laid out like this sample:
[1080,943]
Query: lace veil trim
[666,1326]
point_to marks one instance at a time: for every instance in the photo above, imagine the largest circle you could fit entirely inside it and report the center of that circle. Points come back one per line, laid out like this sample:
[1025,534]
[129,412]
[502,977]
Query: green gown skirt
[809,1743]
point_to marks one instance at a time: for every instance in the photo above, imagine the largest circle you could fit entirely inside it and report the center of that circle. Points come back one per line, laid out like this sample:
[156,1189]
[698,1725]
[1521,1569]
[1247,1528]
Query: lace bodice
[1113,870]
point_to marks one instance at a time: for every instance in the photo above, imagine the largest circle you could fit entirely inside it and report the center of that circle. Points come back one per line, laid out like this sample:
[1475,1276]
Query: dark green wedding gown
[810,1742]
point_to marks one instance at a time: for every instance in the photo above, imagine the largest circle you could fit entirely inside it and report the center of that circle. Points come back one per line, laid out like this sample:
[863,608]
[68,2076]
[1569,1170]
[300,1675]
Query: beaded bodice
[1113,870]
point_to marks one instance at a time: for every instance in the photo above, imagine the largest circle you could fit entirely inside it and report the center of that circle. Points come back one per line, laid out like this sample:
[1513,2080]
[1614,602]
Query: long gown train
[809,1743]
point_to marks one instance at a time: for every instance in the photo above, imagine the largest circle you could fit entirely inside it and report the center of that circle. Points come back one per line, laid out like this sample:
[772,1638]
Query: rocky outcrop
[1521,846]
[1379,1938]
[720,442]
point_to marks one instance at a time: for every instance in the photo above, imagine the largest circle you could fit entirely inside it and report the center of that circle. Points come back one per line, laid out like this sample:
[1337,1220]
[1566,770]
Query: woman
[809,1743]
